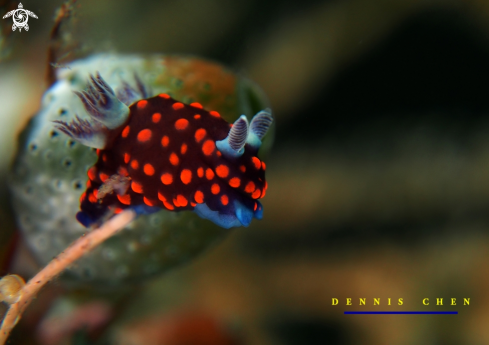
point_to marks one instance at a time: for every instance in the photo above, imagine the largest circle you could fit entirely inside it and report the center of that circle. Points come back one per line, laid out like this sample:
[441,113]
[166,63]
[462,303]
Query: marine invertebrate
[160,153]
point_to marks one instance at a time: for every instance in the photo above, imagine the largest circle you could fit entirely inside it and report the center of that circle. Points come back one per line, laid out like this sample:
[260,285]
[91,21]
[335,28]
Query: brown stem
[81,246]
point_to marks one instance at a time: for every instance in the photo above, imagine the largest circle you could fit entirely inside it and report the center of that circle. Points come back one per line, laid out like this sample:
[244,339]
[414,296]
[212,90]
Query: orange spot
[97,151]
[208,147]
[174,159]
[200,134]
[147,201]
[156,117]
[224,200]
[186,176]
[144,135]
[92,198]
[193,204]
[118,210]
[124,199]
[95,193]
[167,178]
[181,124]
[123,171]
[103,177]
[165,202]
[104,158]
[196,105]
[250,187]
[89,184]
[215,189]
[142,104]
[164,95]
[256,194]
[264,191]
[134,164]
[234,182]
[263,166]
[149,170]
[177,105]
[127,157]
[219,154]
[256,161]
[199,197]
[165,141]
[125,132]
[82,197]
[180,201]
[214,113]
[200,172]
[222,171]
[137,187]
[209,174]
[92,173]
[256,206]
[196,116]
[183,148]
[242,168]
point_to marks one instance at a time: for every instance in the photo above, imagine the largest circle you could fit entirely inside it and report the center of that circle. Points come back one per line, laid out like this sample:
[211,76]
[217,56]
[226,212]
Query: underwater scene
[234,172]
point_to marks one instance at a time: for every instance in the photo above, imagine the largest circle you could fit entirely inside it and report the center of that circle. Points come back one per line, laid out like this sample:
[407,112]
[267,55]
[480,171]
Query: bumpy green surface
[50,171]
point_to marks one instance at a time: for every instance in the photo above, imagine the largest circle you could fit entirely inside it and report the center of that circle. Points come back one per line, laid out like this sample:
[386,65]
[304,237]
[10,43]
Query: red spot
[148,169]
[200,134]
[263,166]
[256,206]
[118,210]
[208,147]
[89,184]
[224,200]
[104,158]
[136,187]
[124,199]
[200,172]
[82,197]
[144,135]
[215,189]
[181,124]
[147,201]
[250,187]
[193,204]
[183,148]
[174,159]
[165,141]
[167,178]
[180,201]
[214,113]
[164,95]
[134,164]
[256,161]
[125,132]
[196,116]
[186,176]
[196,105]
[177,105]
[123,171]
[156,117]
[97,151]
[95,193]
[234,182]
[103,177]
[209,174]
[199,197]
[222,171]
[219,154]
[92,173]
[165,202]
[256,194]
[242,168]
[127,157]
[142,104]
[92,198]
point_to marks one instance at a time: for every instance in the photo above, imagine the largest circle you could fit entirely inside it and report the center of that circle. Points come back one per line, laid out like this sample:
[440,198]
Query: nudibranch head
[160,153]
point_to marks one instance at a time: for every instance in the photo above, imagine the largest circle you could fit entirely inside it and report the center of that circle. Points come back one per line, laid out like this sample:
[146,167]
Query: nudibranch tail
[259,126]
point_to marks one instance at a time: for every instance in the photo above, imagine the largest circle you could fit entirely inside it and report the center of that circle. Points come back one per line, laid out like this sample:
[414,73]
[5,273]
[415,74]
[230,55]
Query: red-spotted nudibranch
[156,153]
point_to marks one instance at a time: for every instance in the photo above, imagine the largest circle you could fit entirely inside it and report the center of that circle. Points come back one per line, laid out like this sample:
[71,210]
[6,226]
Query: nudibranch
[158,153]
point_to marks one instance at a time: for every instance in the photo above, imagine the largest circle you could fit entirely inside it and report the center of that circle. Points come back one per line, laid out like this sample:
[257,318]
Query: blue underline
[403,312]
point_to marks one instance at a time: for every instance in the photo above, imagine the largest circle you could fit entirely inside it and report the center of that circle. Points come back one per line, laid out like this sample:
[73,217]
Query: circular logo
[20,17]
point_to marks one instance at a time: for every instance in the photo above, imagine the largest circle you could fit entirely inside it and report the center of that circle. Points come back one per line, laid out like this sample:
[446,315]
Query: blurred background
[379,173]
